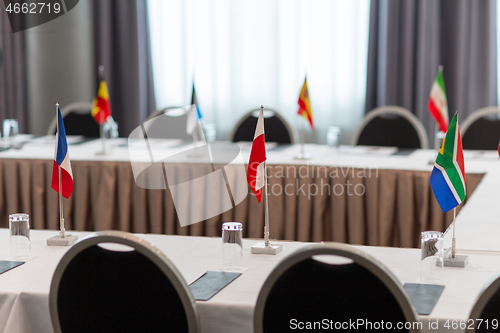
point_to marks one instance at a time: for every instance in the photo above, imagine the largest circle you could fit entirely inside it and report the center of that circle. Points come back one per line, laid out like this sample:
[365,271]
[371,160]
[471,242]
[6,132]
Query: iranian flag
[437,104]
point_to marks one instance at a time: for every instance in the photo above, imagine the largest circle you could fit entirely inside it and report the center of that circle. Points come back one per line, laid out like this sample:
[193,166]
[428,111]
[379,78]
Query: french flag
[256,168]
[61,159]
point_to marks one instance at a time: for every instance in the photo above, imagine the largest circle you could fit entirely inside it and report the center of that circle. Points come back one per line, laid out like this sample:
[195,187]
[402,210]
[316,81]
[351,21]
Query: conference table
[358,195]
[24,290]
[391,212]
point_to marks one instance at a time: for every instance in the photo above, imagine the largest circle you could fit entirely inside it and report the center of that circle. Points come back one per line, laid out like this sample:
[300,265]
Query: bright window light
[242,54]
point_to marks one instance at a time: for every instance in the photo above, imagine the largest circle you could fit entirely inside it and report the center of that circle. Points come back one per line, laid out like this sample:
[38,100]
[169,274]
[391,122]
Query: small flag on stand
[194,115]
[61,158]
[437,104]
[257,179]
[305,104]
[256,166]
[101,109]
[448,176]
[448,184]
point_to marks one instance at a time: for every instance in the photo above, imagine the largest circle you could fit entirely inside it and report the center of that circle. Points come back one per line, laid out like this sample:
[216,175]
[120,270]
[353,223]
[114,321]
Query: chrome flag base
[261,248]
[57,240]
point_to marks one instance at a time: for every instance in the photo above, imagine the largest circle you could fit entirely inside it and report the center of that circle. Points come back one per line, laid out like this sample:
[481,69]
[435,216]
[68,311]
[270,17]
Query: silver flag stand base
[57,240]
[261,248]
[458,261]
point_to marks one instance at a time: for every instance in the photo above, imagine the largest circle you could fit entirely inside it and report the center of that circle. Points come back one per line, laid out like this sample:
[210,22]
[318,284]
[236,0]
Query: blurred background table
[364,195]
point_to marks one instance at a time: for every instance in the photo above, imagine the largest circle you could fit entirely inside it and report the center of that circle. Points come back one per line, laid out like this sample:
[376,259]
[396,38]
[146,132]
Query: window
[242,54]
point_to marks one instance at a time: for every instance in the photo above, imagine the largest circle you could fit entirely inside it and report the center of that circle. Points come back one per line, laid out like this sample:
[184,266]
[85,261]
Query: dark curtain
[13,103]
[409,39]
[122,46]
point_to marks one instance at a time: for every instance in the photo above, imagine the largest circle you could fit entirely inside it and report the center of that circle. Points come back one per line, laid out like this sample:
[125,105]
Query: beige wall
[60,65]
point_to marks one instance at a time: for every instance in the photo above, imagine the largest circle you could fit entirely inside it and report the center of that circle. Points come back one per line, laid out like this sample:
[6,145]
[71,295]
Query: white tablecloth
[24,290]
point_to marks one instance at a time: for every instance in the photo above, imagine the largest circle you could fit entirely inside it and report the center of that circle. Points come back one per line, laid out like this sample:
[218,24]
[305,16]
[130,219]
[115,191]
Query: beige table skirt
[358,206]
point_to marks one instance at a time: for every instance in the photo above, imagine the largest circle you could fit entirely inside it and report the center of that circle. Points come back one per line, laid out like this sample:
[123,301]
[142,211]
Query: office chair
[481,129]
[77,120]
[487,308]
[306,287]
[391,126]
[276,127]
[98,289]
[168,123]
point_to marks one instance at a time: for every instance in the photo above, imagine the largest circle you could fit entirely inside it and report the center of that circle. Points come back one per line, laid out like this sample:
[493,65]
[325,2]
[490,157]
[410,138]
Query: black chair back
[275,127]
[391,126]
[306,289]
[81,124]
[392,131]
[77,121]
[312,291]
[482,130]
[486,310]
[96,289]
[170,124]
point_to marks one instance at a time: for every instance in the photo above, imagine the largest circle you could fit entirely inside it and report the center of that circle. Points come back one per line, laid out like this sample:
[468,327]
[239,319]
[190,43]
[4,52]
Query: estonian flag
[61,159]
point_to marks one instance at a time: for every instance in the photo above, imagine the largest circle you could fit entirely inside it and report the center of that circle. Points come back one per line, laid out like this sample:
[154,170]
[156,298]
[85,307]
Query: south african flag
[448,176]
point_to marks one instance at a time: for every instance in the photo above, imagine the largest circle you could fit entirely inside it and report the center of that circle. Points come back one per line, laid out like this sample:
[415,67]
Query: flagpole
[266,198]
[61,209]
[436,141]
[453,240]
[195,141]
[266,247]
[302,153]
[266,209]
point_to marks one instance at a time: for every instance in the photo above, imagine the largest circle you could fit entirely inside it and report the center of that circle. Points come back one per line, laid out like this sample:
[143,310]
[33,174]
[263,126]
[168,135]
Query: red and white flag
[256,170]
[61,160]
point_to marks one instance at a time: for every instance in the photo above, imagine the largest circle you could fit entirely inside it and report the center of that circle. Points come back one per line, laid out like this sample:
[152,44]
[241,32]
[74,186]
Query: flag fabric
[101,109]
[448,176]
[194,114]
[61,158]
[305,104]
[256,168]
[498,148]
[437,103]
